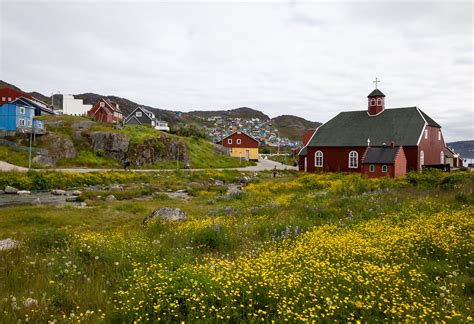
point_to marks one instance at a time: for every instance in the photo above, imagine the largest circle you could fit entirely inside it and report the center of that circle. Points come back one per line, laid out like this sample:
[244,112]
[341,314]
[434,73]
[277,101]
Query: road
[262,165]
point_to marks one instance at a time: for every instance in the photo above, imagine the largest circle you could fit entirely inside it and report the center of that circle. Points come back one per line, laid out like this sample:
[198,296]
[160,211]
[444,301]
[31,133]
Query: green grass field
[326,247]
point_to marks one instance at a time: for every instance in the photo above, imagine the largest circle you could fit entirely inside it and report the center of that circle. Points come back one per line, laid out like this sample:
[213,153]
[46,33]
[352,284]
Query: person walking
[275,171]
[126,164]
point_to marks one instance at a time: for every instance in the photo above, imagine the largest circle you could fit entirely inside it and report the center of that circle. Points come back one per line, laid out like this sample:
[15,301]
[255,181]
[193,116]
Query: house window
[138,114]
[239,141]
[426,133]
[441,157]
[4,99]
[384,168]
[318,159]
[22,122]
[439,135]
[422,158]
[22,110]
[102,104]
[9,99]
[372,168]
[28,123]
[353,157]
[229,141]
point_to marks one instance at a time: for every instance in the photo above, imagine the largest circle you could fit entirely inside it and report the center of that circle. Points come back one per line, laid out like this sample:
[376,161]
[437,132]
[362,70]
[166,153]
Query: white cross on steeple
[376,81]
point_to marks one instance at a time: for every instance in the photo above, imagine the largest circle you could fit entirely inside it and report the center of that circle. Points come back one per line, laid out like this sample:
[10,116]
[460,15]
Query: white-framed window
[138,114]
[9,99]
[102,104]
[353,160]
[4,99]
[372,102]
[229,141]
[22,110]
[28,122]
[441,157]
[439,135]
[371,168]
[22,122]
[384,168]
[422,158]
[426,133]
[379,102]
[318,159]
[239,141]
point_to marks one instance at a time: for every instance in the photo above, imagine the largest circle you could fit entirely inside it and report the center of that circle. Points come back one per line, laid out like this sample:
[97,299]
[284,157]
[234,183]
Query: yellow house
[241,145]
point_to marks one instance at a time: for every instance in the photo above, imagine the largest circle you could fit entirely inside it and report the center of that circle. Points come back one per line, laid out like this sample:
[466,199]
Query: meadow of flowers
[327,247]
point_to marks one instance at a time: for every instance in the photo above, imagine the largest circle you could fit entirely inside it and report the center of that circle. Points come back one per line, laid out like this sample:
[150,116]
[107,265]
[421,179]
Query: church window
[384,168]
[372,102]
[372,168]
[426,133]
[318,159]
[439,135]
[422,158]
[379,102]
[441,157]
[353,157]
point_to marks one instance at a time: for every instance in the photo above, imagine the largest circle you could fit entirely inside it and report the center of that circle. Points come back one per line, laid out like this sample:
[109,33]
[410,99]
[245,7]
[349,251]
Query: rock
[115,187]
[24,192]
[233,189]
[83,124]
[76,193]
[37,201]
[110,198]
[59,148]
[219,183]
[71,199]
[80,205]
[58,192]
[8,244]
[30,302]
[182,191]
[168,214]
[10,190]
[245,180]
[44,160]
[114,145]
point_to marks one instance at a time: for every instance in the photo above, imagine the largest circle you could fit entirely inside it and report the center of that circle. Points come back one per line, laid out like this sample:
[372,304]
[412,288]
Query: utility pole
[29,159]
[177,159]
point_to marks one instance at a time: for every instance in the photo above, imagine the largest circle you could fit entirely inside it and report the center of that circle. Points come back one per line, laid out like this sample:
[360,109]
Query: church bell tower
[376,101]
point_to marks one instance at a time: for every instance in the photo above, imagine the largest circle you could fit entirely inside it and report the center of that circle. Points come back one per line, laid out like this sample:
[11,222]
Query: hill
[37,95]
[293,127]
[465,148]
[242,112]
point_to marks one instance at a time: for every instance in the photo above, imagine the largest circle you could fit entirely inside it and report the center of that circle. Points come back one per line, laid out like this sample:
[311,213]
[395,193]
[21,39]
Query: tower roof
[376,93]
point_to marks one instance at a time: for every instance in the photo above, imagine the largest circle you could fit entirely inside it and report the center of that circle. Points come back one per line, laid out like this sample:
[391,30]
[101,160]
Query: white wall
[73,106]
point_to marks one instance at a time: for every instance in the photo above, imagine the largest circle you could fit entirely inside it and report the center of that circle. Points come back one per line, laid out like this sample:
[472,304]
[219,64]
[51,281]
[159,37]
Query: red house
[106,111]
[8,95]
[241,145]
[384,162]
[340,144]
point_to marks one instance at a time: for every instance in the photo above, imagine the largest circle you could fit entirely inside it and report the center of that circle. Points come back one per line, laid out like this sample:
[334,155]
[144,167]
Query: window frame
[379,102]
[373,102]
[22,110]
[422,158]
[439,135]
[318,159]
[229,141]
[238,141]
[371,168]
[384,168]
[426,133]
[441,157]
[138,114]
[21,122]
[353,155]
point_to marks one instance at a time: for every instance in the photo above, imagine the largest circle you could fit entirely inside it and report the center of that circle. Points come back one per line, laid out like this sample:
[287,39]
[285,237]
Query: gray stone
[245,180]
[44,160]
[76,193]
[233,189]
[167,214]
[24,192]
[181,191]
[71,199]
[110,198]
[8,244]
[83,124]
[10,190]
[114,145]
[219,183]
[116,187]
[58,192]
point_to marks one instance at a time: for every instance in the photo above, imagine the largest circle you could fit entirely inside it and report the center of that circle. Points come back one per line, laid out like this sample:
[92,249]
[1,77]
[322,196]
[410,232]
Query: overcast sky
[310,59]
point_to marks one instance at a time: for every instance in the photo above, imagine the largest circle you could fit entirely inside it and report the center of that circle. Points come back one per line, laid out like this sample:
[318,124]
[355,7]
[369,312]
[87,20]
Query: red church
[106,111]
[376,141]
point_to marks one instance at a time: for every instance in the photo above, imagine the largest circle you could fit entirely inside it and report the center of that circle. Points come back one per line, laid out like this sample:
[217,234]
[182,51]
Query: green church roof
[376,93]
[403,126]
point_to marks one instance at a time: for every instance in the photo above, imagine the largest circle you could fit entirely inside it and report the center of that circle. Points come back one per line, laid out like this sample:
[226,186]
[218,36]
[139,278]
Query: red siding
[104,114]
[432,147]
[12,94]
[246,141]
[307,136]
[378,170]
[335,159]
[400,168]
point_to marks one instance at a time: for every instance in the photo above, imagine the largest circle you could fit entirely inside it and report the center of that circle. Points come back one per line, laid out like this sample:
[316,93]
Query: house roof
[304,151]
[237,132]
[380,155]
[307,136]
[376,93]
[33,103]
[112,105]
[403,126]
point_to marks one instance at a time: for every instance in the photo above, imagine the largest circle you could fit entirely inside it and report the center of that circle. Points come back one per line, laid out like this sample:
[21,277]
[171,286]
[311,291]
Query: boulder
[219,183]
[114,145]
[167,214]
[58,192]
[245,180]
[71,198]
[76,193]
[8,244]
[24,192]
[83,124]
[59,148]
[44,160]
[110,198]
[10,190]
[115,187]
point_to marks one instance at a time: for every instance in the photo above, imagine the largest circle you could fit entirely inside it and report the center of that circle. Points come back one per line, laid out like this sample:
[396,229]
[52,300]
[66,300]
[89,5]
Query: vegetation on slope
[326,247]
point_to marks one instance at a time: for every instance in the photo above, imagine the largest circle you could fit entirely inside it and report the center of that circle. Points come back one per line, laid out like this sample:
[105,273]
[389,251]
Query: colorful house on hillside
[106,111]
[7,95]
[16,118]
[241,145]
[40,108]
[342,142]
[142,116]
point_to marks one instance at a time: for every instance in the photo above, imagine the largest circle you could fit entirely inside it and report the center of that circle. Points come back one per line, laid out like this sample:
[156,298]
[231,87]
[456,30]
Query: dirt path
[262,165]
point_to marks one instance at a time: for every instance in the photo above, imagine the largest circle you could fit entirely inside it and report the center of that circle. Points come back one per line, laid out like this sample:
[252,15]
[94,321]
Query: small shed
[387,161]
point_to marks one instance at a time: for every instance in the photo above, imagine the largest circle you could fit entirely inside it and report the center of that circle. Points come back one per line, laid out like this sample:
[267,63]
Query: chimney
[392,144]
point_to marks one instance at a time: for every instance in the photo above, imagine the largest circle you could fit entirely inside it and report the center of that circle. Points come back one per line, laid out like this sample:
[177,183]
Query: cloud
[308,59]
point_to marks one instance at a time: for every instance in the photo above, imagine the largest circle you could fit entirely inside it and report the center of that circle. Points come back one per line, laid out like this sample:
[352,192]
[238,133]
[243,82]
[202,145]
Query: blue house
[15,118]
[40,108]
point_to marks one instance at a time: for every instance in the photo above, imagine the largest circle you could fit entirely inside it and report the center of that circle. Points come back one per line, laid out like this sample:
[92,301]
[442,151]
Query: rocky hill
[293,127]
[465,148]
[242,112]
